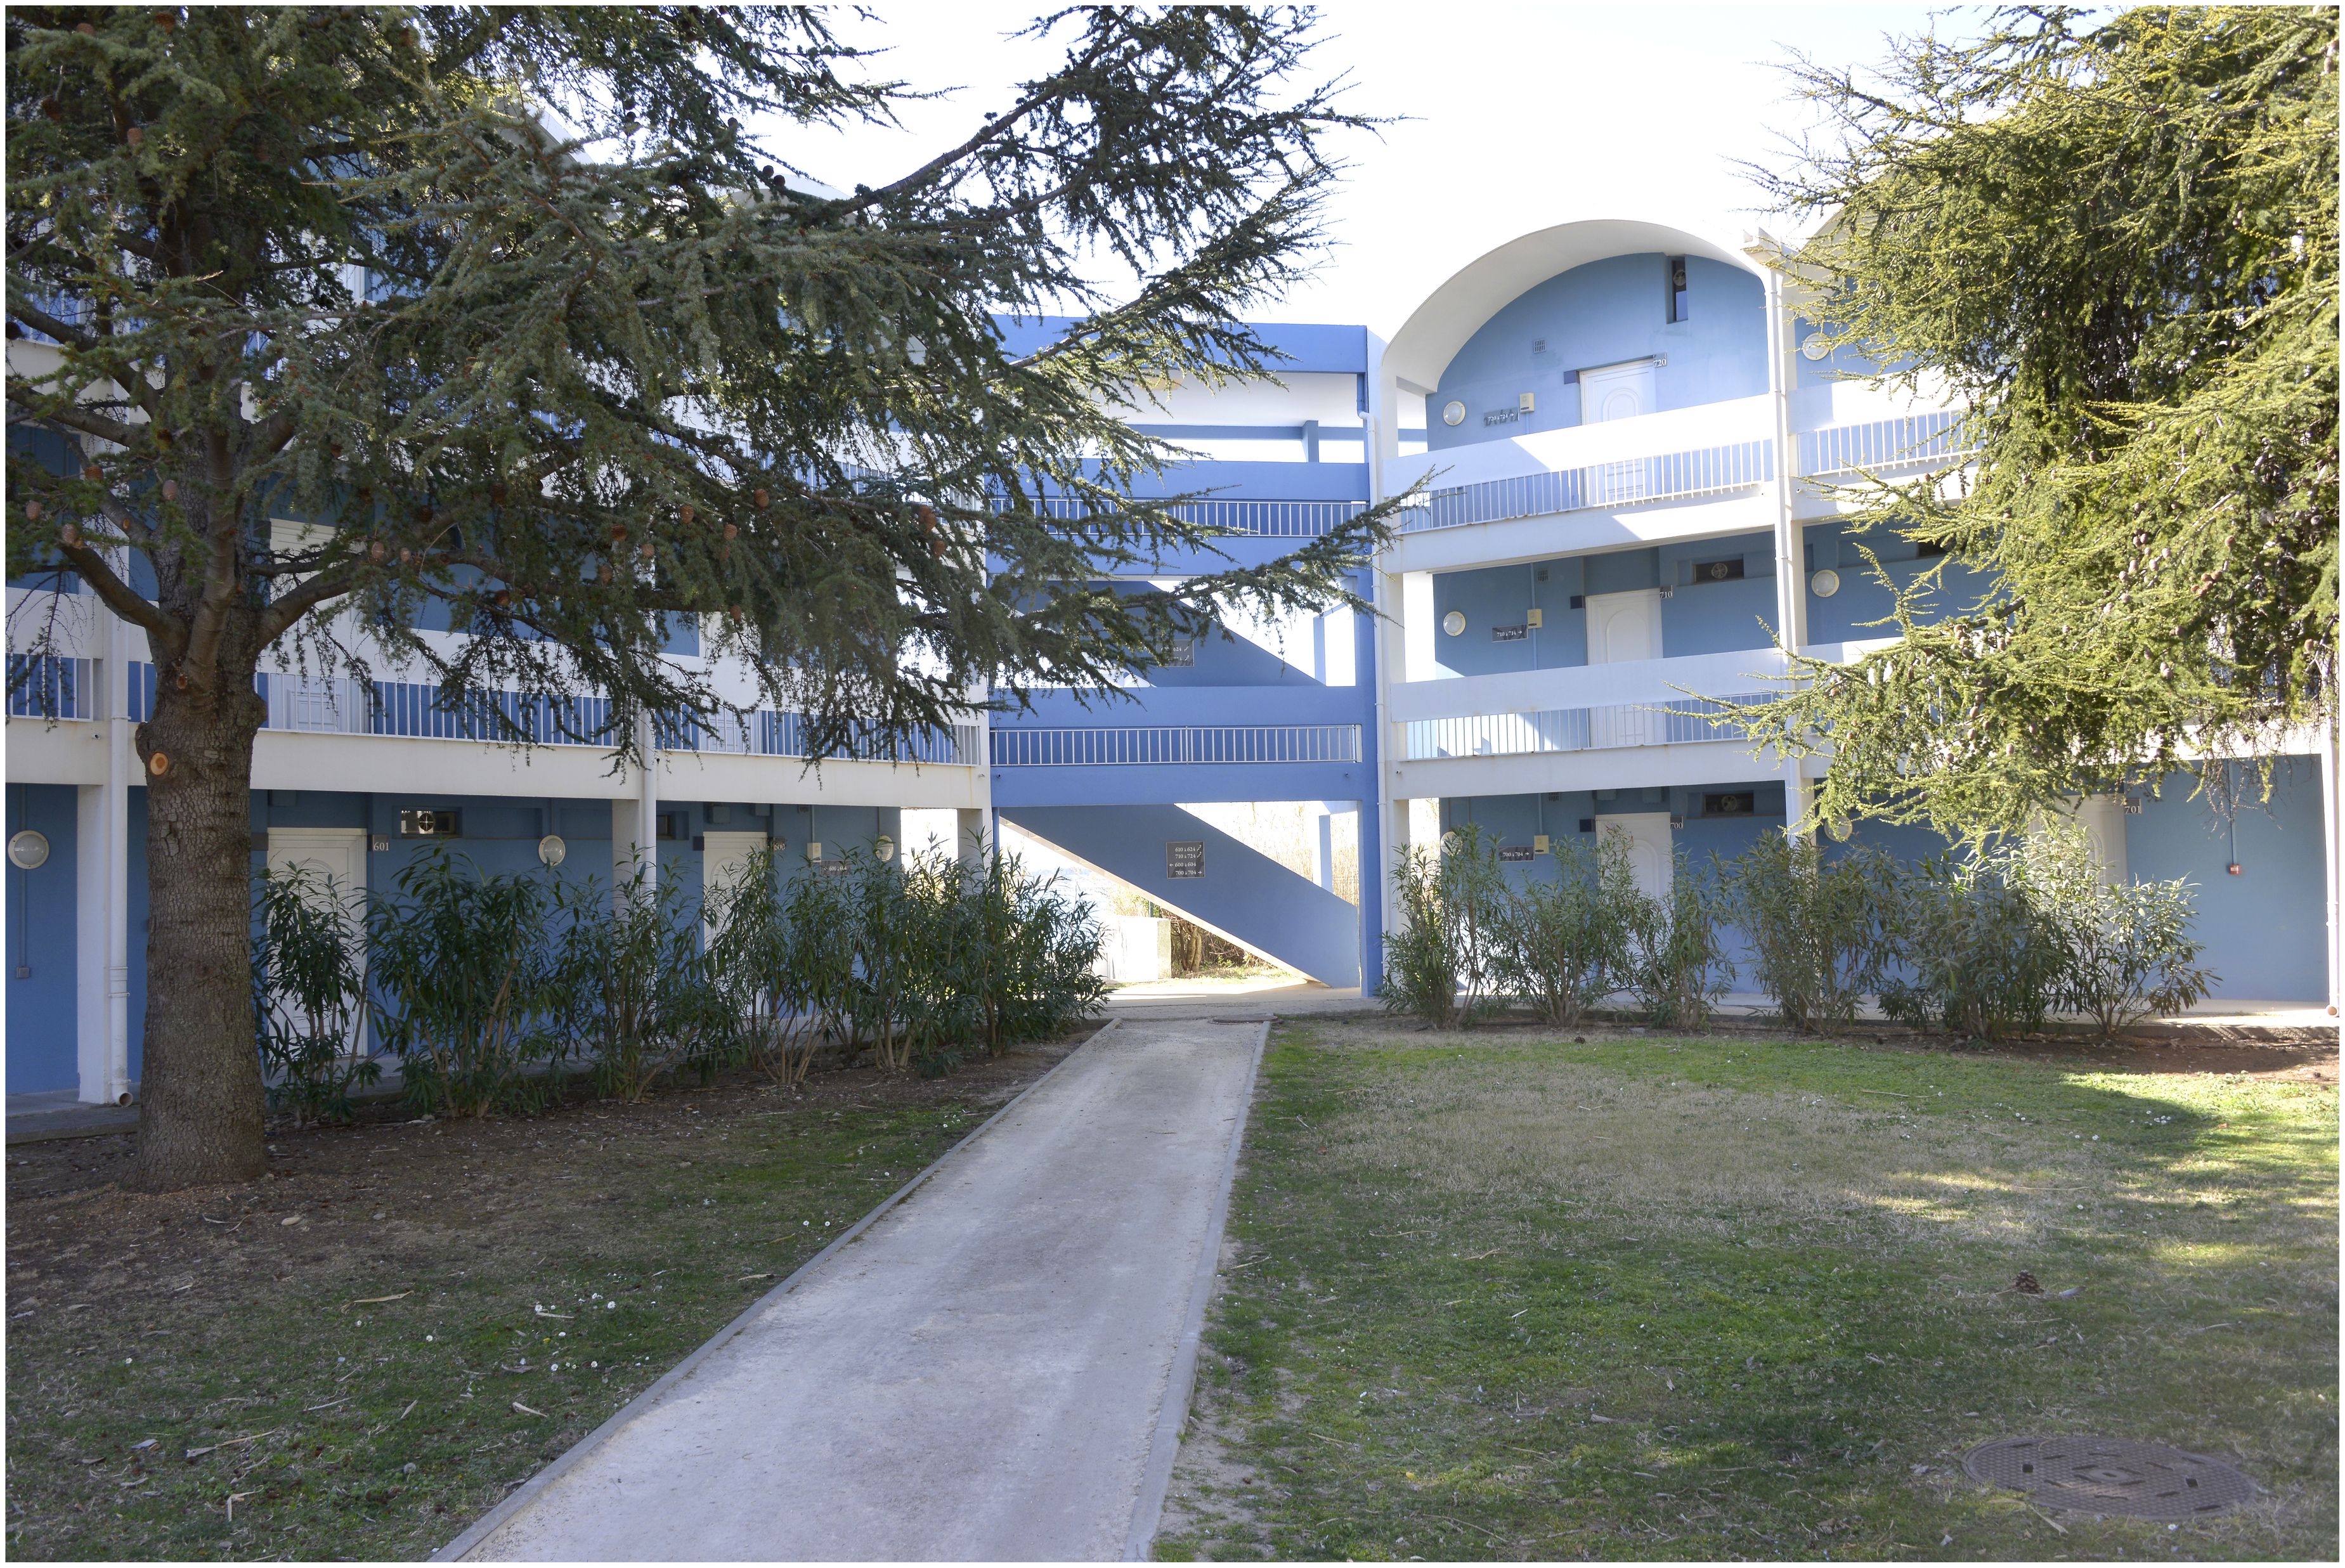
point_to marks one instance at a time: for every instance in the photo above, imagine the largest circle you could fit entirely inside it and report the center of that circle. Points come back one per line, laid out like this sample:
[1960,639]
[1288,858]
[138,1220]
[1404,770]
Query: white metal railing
[1906,442]
[1597,728]
[1625,481]
[1263,519]
[1878,446]
[320,704]
[52,686]
[1174,745]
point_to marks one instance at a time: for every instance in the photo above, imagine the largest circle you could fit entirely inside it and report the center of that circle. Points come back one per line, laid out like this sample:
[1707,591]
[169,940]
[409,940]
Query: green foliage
[1817,928]
[309,994]
[1444,962]
[1019,960]
[509,304]
[782,967]
[2128,949]
[631,989]
[1978,952]
[1677,968]
[1566,944]
[461,962]
[2114,234]
[1987,941]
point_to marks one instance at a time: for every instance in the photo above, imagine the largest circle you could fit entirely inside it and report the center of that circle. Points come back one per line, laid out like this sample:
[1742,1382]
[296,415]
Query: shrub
[310,995]
[1819,930]
[1444,962]
[459,960]
[1978,952]
[634,998]
[1029,958]
[1676,968]
[1565,942]
[2125,948]
[782,967]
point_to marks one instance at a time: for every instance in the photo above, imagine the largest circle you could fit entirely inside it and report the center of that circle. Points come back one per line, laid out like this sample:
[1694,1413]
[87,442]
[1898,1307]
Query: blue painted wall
[1246,894]
[2265,929]
[41,943]
[1699,617]
[1601,314]
[1863,599]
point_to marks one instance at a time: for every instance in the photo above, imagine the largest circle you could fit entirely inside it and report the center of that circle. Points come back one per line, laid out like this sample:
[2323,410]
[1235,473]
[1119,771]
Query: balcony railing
[1093,746]
[50,686]
[1907,443]
[1262,518]
[1599,728]
[1629,481]
[417,710]
[1884,446]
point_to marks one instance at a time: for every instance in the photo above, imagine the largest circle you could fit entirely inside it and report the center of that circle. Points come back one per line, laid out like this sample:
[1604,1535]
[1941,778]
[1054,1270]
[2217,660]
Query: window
[1727,571]
[1679,310]
[1741,804]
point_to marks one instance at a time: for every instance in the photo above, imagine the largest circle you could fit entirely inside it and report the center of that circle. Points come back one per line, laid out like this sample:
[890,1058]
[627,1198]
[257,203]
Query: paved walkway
[983,1373]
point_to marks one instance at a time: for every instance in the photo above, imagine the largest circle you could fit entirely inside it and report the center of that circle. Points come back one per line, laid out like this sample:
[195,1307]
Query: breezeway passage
[982,1373]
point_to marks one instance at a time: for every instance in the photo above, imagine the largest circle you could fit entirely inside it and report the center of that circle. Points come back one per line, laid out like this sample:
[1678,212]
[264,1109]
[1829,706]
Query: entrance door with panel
[1624,628]
[336,859]
[725,860]
[1652,849]
[1617,393]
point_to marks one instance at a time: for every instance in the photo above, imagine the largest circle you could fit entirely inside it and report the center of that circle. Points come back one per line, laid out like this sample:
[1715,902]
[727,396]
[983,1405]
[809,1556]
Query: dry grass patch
[1508,1296]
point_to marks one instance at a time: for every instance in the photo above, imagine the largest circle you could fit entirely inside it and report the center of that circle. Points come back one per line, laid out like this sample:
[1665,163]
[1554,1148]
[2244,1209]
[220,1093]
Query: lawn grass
[545,1271]
[1509,1295]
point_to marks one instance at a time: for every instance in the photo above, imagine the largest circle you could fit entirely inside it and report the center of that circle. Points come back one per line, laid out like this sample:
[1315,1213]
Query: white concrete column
[1418,632]
[93,914]
[1790,551]
[972,837]
[634,818]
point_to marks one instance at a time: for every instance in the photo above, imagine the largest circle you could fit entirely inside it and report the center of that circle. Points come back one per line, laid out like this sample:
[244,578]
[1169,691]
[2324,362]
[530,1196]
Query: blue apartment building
[1630,452]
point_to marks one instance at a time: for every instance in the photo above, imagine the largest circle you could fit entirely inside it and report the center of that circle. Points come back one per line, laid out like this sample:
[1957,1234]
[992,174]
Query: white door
[1621,629]
[723,860]
[1651,849]
[339,853]
[1617,393]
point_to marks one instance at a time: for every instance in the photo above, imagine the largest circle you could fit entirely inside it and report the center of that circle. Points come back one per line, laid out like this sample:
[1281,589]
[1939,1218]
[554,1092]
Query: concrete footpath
[996,1367]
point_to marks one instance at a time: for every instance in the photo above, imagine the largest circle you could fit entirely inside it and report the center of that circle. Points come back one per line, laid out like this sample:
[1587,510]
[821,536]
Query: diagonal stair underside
[1243,894]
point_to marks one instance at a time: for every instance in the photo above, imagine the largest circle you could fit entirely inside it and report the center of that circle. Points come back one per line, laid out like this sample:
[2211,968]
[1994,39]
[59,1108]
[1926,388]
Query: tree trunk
[199,1091]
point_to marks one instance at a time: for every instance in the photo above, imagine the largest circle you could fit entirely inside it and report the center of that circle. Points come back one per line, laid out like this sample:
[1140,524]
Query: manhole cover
[2107,1475]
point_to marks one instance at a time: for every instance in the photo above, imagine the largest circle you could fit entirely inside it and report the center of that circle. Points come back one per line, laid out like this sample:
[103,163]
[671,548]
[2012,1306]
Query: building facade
[1627,456]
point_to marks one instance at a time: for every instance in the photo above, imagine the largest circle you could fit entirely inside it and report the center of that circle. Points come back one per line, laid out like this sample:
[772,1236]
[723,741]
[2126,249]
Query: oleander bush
[1987,941]
[1564,945]
[632,996]
[461,965]
[1677,967]
[488,985]
[1817,928]
[310,995]
[1444,959]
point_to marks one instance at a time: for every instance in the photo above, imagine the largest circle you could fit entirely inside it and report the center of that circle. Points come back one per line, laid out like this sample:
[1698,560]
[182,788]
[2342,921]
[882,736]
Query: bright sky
[1521,116]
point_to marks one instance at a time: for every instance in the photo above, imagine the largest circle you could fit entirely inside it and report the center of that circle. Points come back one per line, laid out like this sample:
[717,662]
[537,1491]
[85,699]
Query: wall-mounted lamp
[552,851]
[884,847]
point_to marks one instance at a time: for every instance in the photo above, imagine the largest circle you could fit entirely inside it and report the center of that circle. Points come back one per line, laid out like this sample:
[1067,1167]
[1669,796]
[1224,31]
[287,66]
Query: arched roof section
[1454,312]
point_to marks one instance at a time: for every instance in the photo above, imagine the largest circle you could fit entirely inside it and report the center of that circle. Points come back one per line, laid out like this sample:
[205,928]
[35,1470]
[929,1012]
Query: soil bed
[404,1319]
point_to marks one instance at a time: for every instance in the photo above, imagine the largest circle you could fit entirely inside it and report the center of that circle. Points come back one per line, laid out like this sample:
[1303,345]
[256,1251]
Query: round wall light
[551,850]
[1454,622]
[1825,584]
[1453,412]
[884,847]
[27,850]
[1815,346]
